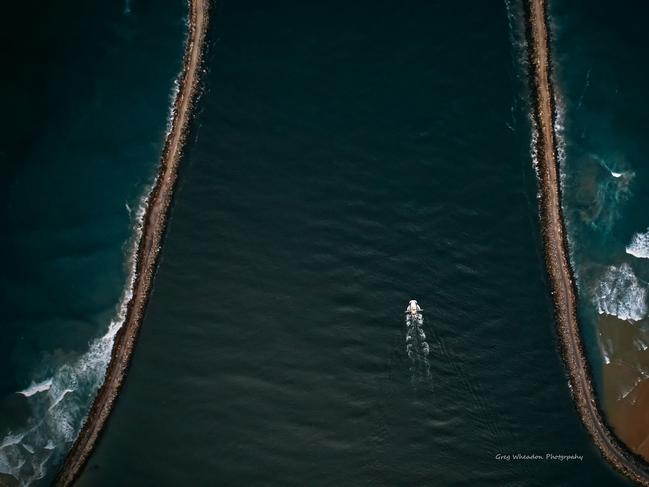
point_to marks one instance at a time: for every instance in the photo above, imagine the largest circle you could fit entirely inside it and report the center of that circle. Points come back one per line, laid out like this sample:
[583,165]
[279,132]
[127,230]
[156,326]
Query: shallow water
[345,159]
[601,86]
[87,104]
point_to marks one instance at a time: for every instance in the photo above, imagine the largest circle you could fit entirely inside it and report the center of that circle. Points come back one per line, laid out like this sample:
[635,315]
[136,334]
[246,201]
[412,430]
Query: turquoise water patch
[601,86]
[88,108]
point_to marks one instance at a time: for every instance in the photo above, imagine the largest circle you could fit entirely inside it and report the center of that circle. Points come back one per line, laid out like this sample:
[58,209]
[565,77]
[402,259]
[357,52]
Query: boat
[413,308]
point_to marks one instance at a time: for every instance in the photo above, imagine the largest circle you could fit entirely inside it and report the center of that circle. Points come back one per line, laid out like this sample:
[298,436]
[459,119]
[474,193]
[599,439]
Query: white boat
[413,308]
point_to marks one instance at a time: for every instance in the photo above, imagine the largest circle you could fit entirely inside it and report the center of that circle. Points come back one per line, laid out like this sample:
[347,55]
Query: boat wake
[417,347]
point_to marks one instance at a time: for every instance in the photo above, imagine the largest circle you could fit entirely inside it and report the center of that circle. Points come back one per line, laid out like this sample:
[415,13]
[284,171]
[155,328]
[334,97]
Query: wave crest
[639,246]
[57,415]
[37,387]
[620,293]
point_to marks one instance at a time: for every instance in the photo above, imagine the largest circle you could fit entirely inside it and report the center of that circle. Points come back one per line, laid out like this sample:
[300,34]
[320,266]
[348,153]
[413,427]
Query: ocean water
[86,104]
[601,86]
[347,157]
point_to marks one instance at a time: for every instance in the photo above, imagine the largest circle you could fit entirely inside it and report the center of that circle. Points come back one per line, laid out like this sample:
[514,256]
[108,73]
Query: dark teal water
[86,97]
[345,159]
[601,89]
[601,86]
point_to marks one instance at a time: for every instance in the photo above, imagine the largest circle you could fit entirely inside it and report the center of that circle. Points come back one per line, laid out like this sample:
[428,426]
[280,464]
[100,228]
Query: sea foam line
[51,427]
[24,455]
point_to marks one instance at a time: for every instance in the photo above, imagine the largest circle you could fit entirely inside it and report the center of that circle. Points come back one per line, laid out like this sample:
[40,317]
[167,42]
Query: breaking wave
[37,387]
[639,246]
[620,293]
[59,405]
[175,89]
[559,132]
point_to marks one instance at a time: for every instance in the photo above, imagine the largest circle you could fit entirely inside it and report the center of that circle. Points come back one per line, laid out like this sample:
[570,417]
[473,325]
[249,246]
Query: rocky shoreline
[148,250]
[557,260]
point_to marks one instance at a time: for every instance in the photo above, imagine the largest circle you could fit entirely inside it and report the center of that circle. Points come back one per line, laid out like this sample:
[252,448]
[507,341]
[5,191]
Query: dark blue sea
[86,97]
[344,158]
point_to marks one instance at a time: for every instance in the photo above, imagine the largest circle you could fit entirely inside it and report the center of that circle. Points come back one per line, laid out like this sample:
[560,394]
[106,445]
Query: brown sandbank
[556,251]
[626,383]
[148,248]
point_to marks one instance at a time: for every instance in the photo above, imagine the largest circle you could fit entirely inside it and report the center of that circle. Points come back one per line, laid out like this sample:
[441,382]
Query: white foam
[639,246]
[534,149]
[10,457]
[606,349]
[639,344]
[24,455]
[620,293]
[175,89]
[612,172]
[52,428]
[11,440]
[559,131]
[37,387]
[60,398]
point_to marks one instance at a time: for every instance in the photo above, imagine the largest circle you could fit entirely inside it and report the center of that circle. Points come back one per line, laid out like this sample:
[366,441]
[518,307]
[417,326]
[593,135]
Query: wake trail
[417,349]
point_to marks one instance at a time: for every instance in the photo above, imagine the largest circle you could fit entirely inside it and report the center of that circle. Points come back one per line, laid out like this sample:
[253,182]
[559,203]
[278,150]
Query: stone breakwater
[148,250]
[556,250]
